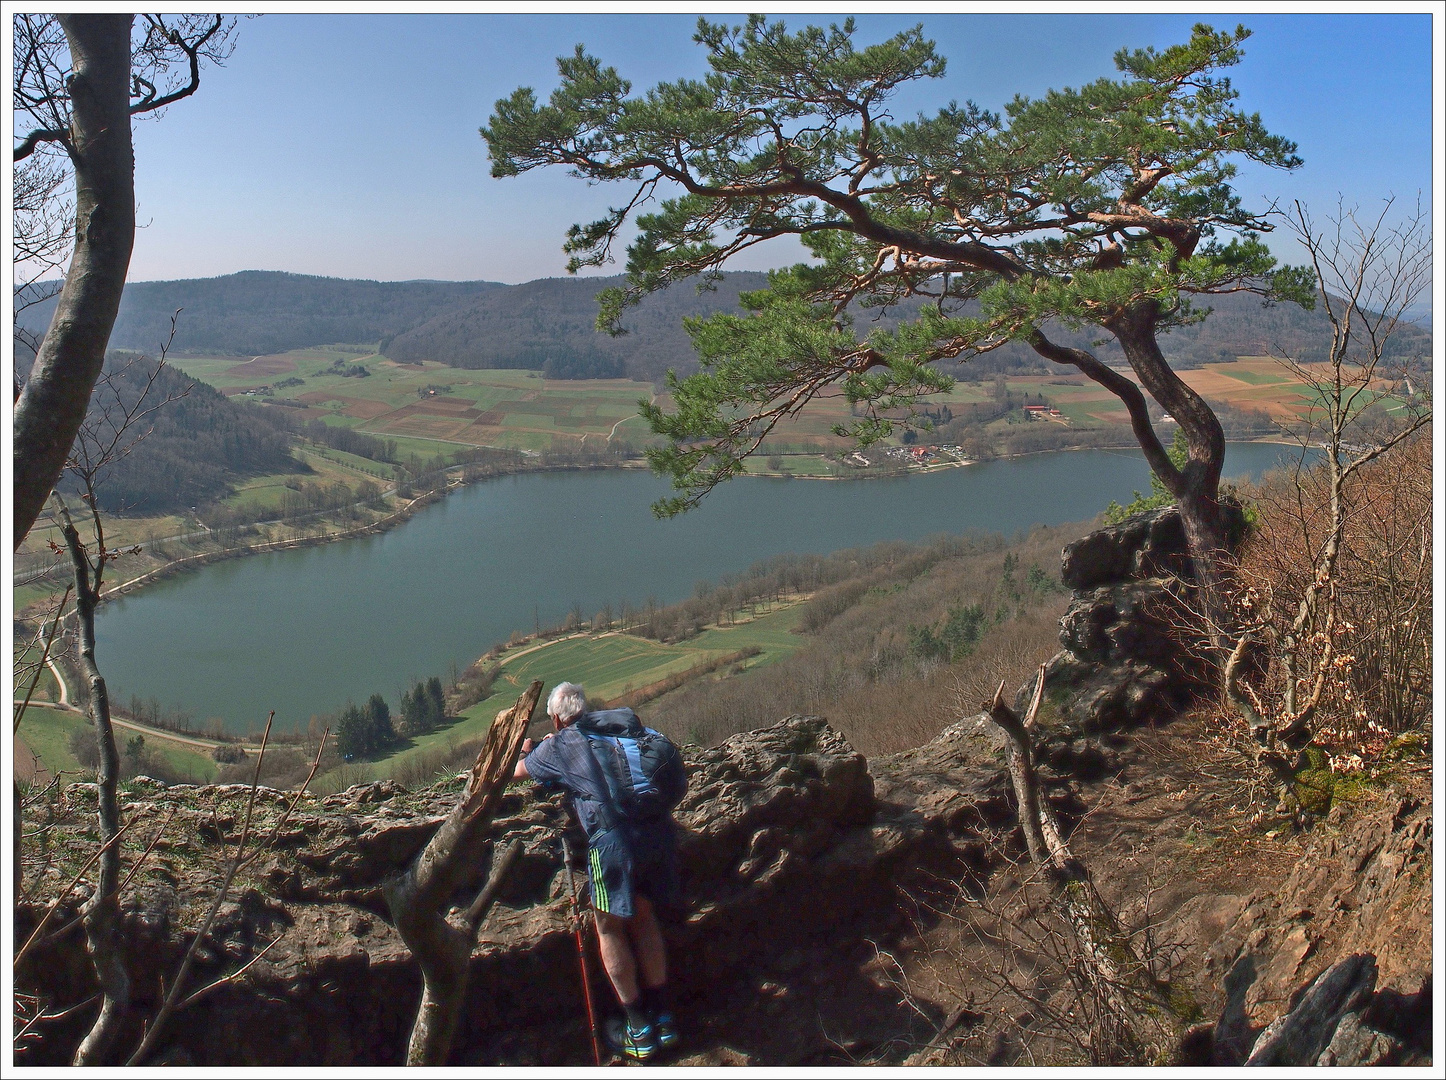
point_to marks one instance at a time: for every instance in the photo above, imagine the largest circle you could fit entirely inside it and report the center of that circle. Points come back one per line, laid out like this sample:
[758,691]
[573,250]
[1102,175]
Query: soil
[1178,840]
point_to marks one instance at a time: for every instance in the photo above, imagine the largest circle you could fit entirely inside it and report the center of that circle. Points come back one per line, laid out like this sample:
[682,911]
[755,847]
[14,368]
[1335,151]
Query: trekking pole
[577,930]
[577,925]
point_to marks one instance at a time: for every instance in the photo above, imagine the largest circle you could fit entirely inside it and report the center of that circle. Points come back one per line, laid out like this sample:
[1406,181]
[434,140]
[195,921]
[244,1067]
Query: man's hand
[527,745]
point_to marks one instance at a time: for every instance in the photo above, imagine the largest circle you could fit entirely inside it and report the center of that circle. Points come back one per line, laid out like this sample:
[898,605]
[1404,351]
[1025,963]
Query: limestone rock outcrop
[1124,661]
[1353,893]
[787,841]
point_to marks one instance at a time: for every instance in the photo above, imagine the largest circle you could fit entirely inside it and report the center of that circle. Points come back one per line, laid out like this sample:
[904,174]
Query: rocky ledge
[788,842]
[801,862]
[1125,659]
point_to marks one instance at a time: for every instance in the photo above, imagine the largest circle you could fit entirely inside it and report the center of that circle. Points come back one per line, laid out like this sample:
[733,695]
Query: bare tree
[419,898]
[109,433]
[1120,982]
[1371,272]
[79,79]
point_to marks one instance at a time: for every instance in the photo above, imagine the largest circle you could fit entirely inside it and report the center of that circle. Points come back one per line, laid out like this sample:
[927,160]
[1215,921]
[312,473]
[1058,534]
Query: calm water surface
[302,632]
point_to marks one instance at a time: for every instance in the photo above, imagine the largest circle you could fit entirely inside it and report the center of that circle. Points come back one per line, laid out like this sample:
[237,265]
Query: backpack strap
[610,815]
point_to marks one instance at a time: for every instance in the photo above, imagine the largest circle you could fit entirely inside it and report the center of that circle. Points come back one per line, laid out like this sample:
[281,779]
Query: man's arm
[520,773]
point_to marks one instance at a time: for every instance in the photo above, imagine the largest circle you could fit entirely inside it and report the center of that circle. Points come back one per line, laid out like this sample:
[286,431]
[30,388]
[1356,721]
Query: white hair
[566,701]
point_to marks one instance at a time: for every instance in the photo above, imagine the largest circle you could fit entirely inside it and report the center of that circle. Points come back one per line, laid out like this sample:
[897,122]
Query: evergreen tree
[379,724]
[1106,208]
[437,700]
[351,733]
[413,723]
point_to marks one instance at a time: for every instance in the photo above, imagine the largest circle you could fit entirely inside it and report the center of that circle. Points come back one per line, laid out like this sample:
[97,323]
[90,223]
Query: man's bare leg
[614,942]
[648,944]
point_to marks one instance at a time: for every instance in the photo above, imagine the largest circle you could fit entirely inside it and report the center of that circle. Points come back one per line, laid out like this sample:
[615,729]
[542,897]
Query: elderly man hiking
[624,779]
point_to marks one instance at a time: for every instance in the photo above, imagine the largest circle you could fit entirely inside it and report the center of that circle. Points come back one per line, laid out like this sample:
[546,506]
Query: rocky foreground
[803,865]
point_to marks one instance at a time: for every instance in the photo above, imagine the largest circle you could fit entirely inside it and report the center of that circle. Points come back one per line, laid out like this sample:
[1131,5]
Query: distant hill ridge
[267,311]
[548,324]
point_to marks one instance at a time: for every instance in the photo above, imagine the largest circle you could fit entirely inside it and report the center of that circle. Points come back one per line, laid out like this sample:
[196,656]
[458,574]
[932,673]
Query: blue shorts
[632,861]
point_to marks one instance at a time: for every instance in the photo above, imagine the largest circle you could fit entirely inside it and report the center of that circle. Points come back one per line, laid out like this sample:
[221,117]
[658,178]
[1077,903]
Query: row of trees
[367,730]
[424,707]
[363,731]
[343,438]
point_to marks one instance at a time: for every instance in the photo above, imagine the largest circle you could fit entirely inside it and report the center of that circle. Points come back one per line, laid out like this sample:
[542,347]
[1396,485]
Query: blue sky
[347,145]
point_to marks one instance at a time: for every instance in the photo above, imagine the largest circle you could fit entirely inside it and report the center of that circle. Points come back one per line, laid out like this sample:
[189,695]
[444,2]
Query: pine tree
[1107,208]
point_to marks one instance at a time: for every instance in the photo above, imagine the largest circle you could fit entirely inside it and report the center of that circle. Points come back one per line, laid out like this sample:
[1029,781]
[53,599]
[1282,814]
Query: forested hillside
[259,311]
[549,324]
[198,445]
[1240,325]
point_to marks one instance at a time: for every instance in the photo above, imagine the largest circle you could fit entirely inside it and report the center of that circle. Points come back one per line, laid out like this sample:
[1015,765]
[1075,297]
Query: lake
[305,631]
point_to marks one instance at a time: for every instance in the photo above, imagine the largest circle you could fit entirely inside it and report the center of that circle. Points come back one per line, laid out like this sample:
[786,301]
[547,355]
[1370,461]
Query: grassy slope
[608,665]
[47,732]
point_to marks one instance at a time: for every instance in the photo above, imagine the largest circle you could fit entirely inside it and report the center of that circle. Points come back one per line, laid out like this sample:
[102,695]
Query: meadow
[46,732]
[610,665]
[425,404]
[427,408]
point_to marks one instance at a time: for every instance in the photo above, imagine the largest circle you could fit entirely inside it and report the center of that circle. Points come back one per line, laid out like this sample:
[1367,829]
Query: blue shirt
[565,760]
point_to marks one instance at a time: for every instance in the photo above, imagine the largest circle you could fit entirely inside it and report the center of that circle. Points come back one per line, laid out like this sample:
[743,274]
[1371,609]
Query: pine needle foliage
[1108,206]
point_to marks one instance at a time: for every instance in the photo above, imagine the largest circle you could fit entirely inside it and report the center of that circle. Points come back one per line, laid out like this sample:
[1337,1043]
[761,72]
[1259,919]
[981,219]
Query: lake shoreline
[404,514]
[305,629]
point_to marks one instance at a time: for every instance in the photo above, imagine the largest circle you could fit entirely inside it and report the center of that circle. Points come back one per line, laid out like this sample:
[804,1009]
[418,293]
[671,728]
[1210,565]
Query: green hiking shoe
[636,1043]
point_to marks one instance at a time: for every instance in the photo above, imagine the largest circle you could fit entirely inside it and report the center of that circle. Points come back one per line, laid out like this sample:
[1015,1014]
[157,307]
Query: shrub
[1378,682]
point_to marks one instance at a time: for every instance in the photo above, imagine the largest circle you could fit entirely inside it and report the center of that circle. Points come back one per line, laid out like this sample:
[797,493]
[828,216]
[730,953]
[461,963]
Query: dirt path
[59,680]
[143,729]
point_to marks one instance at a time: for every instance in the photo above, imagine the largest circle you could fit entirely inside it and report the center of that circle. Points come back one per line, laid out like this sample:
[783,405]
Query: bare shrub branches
[1129,997]
[1335,587]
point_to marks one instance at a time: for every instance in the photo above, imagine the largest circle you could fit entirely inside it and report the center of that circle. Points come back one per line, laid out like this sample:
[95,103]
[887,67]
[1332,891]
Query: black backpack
[641,768]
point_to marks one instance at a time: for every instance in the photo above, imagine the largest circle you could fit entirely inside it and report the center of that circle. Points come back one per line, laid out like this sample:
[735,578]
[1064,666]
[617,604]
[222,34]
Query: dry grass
[859,669]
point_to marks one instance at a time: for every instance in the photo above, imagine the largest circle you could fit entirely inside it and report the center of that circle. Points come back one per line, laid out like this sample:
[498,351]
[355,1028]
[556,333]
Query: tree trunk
[102,911]
[418,899]
[1196,486]
[1123,985]
[53,403]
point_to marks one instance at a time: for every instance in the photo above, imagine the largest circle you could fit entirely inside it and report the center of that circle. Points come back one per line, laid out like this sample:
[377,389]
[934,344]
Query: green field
[1255,377]
[47,733]
[608,665]
[427,407]
[45,688]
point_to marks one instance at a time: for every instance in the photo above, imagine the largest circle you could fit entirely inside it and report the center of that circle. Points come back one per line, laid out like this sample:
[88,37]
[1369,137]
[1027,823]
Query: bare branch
[170,1004]
[44,657]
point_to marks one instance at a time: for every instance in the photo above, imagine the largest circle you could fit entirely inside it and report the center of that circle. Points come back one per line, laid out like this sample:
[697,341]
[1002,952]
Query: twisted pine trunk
[419,897]
[1196,485]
